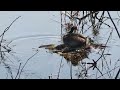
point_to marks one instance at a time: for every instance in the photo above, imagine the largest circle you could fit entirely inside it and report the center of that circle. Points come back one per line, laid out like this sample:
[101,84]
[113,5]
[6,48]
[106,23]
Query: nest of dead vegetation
[70,54]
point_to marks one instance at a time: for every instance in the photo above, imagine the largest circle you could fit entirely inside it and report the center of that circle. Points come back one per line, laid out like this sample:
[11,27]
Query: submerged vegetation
[80,45]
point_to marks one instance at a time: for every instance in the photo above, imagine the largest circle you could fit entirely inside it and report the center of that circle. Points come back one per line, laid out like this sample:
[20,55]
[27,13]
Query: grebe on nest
[74,40]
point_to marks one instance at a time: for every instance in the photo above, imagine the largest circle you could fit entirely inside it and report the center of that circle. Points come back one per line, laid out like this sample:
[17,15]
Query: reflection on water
[75,57]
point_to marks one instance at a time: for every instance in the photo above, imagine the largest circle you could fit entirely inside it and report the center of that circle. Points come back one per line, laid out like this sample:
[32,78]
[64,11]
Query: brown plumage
[74,40]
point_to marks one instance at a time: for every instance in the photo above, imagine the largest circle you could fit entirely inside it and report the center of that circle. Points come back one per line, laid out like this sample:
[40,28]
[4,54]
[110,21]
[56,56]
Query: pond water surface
[35,28]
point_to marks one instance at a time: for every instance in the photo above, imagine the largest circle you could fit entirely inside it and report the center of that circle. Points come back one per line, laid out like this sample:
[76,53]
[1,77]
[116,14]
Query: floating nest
[70,54]
[75,55]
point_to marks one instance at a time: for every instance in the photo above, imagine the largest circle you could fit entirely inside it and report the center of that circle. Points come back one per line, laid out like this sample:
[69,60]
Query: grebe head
[72,29]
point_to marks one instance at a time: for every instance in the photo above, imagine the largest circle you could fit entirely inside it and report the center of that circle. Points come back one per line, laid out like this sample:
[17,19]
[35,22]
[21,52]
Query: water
[35,28]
